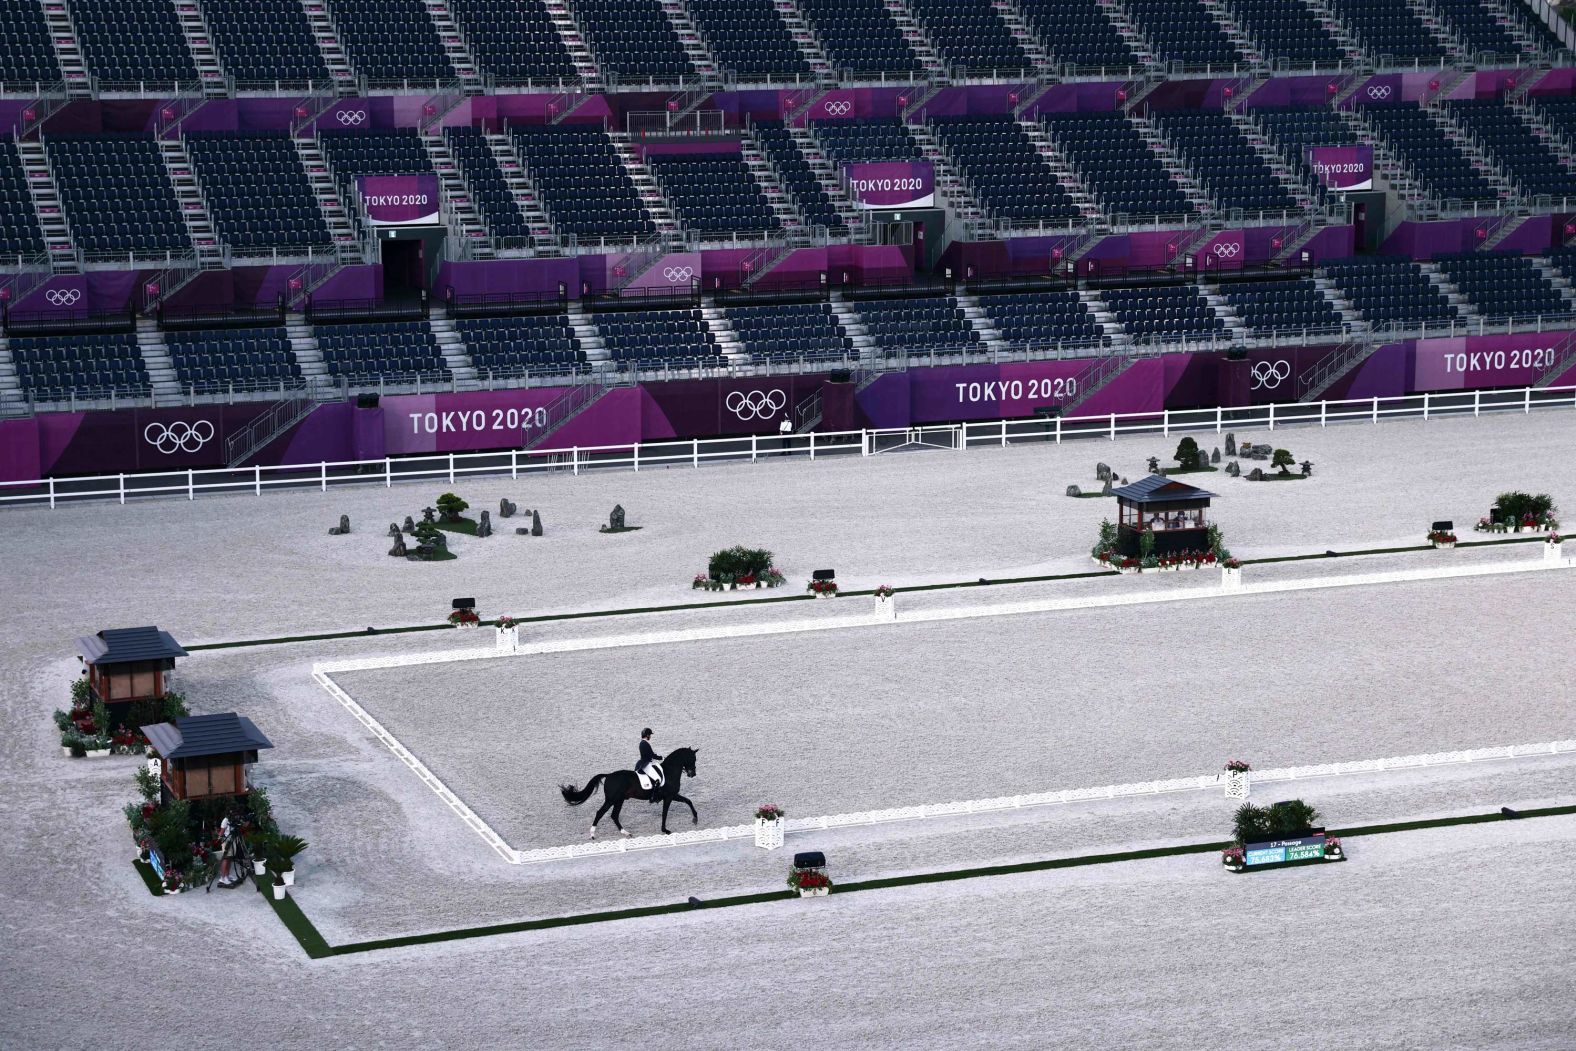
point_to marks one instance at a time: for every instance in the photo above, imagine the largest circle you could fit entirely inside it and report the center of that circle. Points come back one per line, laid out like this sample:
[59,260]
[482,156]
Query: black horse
[621,785]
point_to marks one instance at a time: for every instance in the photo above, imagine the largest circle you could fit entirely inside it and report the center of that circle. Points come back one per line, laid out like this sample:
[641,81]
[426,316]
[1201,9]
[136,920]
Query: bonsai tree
[451,507]
[1284,460]
[1187,454]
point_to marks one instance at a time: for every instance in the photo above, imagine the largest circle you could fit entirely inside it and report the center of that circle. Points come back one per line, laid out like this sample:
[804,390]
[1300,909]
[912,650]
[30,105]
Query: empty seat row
[920,323]
[801,331]
[582,184]
[1117,165]
[655,337]
[1167,311]
[1439,164]
[1504,286]
[88,365]
[1005,170]
[1294,305]
[1391,292]
[117,195]
[257,191]
[1224,161]
[1042,317]
[534,343]
[391,350]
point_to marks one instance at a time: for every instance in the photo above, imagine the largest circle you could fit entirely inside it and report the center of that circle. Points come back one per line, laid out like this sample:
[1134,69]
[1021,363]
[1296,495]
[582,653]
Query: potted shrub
[1332,849]
[71,744]
[96,746]
[1442,539]
[259,844]
[810,883]
[279,886]
[283,854]
[769,826]
[823,588]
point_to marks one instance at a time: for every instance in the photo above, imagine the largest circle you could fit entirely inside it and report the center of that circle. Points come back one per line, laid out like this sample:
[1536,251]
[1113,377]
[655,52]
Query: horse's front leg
[617,807]
[666,802]
[694,817]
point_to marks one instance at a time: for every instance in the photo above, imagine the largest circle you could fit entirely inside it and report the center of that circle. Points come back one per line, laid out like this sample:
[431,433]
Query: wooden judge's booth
[205,756]
[129,664]
[1172,511]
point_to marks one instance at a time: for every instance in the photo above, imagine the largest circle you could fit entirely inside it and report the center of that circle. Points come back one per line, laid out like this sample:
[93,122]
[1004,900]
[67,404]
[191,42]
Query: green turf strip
[317,948]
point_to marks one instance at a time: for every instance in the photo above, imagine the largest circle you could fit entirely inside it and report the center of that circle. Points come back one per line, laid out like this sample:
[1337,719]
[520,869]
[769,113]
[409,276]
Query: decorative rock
[1234,469]
[393,529]
[615,520]
[1102,472]
[1107,490]
[409,528]
[427,514]
[1231,445]
[1154,465]
[1307,468]
[399,550]
[536,523]
[506,508]
[342,529]
[523,531]
[1214,457]
[1073,490]
[1256,475]
[484,527]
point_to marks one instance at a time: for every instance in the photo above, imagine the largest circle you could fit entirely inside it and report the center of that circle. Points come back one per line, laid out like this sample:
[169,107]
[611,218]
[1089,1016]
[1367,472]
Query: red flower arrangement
[506,621]
[769,812]
[823,587]
[1554,538]
[1441,536]
[1237,766]
[1233,856]
[809,879]
[1231,563]
[464,616]
[1332,847]
[884,591]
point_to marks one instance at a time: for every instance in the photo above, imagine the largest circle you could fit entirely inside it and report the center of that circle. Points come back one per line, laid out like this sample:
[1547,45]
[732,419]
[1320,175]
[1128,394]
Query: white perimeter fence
[323,674]
[751,449]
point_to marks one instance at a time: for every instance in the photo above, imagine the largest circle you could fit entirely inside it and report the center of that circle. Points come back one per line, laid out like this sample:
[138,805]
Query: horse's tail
[575,798]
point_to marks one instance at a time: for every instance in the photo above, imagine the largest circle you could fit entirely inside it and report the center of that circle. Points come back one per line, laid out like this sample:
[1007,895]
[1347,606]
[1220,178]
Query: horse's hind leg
[616,808]
[606,803]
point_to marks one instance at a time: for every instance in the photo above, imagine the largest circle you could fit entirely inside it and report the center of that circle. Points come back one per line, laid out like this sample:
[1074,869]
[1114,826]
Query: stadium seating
[652,338]
[537,343]
[1293,131]
[861,38]
[749,39]
[514,41]
[1559,113]
[1389,28]
[1292,305]
[353,153]
[1165,311]
[1286,30]
[391,351]
[263,43]
[1184,31]
[1522,156]
[1523,16]
[713,192]
[27,58]
[853,141]
[1445,172]
[796,331]
[1117,165]
[1004,169]
[257,191]
[1226,164]
[1478,27]
[634,39]
[1504,286]
[244,357]
[490,194]
[919,323]
[1043,317]
[1391,292]
[19,232]
[1564,260]
[1078,34]
[971,36]
[391,42]
[117,195]
[784,152]
[130,42]
[582,183]
[52,368]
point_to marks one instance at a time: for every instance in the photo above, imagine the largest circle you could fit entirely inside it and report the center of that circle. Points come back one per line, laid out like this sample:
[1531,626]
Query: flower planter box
[1231,579]
[506,640]
[1553,552]
[886,607]
[468,624]
[1444,545]
[768,834]
[1236,785]
[65,750]
[814,892]
[826,594]
[97,753]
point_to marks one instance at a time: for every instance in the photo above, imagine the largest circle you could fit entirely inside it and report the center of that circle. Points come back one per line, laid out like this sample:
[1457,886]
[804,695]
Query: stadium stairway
[454,48]
[924,48]
[303,345]
[199,41]
[68,49]
[979,320]
[575,42]
[1239,37]
[1387,166]
[455,355]
[1336,30]
[646,186]
[1351,318]
[12,401]
[1435,24]
[194,209]
[518,181]
[1061,169]
[805,39]
[335,214]
[1545,132]
[1012,17]
[1103,314]
[1275,161]
[1175,166]
[1143,52]
[1561,283]
[723,332]
[826,174]
[1235,329]
[1458,299]
[156,359]
[852,323]
[330,44]
[952,191]
[694,47]
[51,215]
[766,176]
[586,333]
[455,194]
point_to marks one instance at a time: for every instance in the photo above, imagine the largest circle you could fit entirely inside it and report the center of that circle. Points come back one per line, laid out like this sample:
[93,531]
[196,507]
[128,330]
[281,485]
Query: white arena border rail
[323,672]
[750,449]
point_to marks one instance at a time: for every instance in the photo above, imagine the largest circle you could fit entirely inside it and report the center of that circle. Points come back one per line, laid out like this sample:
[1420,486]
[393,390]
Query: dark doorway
[404,276]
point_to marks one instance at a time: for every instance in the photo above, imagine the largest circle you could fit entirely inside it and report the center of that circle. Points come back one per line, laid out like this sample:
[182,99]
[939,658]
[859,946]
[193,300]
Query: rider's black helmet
[645,733]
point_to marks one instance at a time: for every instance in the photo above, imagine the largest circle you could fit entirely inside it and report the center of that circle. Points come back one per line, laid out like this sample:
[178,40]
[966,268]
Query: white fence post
[1426,403]
[695,452]
[322,476]
[122,489]
[635,454]
[1220,417]
[257,479]
[191,488]
[1165,423]
[574,459]
[1376,410]
[1113,426]
[51,493]
[1003,434]
[1058,430]
[812,446]
[1272,415]
[1527,400]
[388,472]
[754,450]
[1324,407]
[1477,402]
[451,468]
[514,463]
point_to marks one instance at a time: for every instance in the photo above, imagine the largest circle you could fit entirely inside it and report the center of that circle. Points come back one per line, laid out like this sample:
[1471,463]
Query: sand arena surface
[1443,938]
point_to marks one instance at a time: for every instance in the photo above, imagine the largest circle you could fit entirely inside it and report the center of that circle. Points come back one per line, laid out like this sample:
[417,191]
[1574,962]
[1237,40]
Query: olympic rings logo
[1268,376]
[178,436]
[756,404]
[838,107]
[63,297]
[1379,91]
[675,274]
[348,117]
[1228,250]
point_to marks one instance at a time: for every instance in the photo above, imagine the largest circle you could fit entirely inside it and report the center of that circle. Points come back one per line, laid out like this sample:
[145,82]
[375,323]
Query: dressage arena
[819,707]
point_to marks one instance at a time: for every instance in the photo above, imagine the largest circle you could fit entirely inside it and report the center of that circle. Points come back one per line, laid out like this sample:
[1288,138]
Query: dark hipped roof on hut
[192,736]
[1157,489]
[128,645]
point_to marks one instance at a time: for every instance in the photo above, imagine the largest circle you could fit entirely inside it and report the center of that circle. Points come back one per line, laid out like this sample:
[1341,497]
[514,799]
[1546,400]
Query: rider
[649,768]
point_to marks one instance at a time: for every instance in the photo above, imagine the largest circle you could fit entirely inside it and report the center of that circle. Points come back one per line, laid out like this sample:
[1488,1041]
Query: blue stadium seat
[489,193]
[1504,286]
[257,191]
[511,346]
[1004,170]
[117,195]
[387,351]
[1288,31]
[1079,35]
[1184,31]
[1521,155]
[713,193]
[1117,165]
[1293,305]
[1043,318]
[1224,161]
[1391,292]
[1164,312]
[1389,29]
[89,366]
[19,232]
[127,43]
[971,36]
[791,332]
[779,145]
[27,58]
[393,43]
[514,41]
[654,338]
[861,38]
[232,358]
[634,40]
[265,44]
[582,184]
[1445,172]
[917,323]
[749,39]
